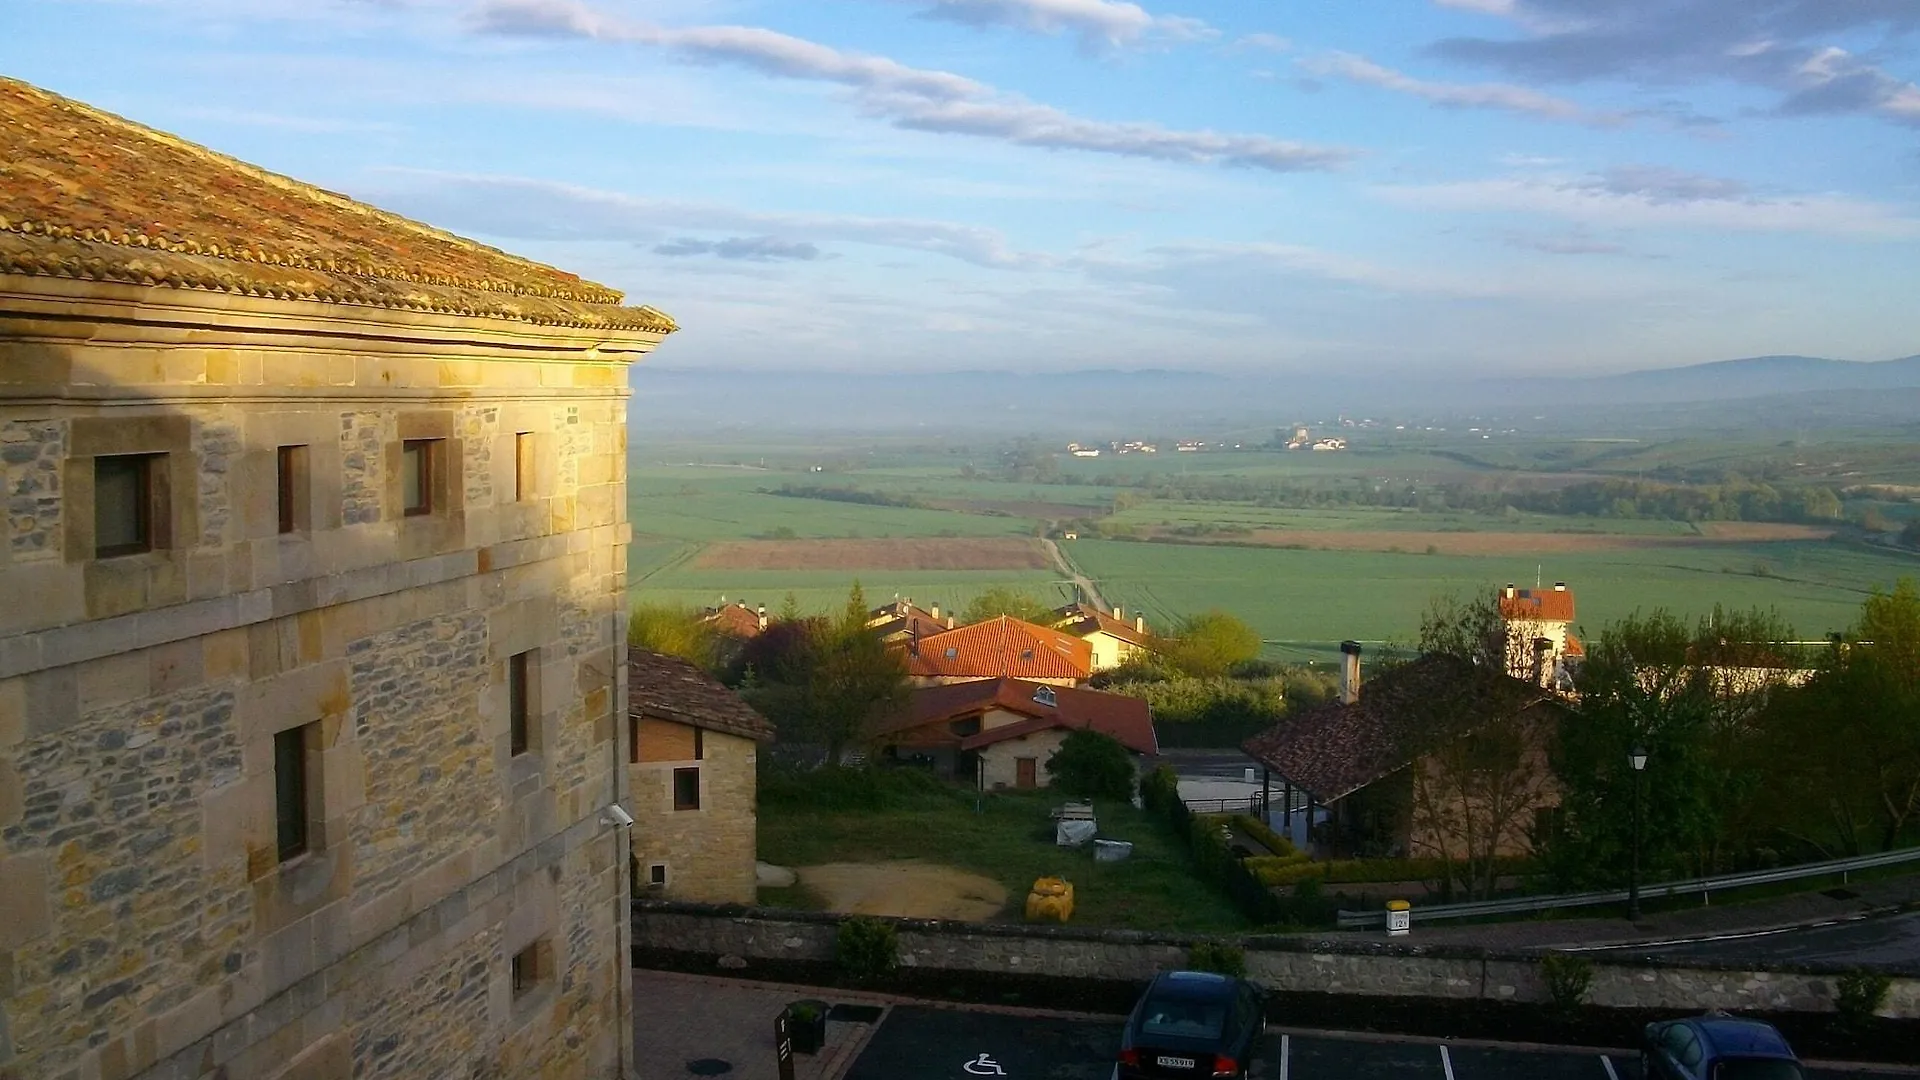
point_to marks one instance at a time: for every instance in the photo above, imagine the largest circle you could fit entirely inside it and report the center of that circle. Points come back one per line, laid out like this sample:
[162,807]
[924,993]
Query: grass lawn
[1011,841]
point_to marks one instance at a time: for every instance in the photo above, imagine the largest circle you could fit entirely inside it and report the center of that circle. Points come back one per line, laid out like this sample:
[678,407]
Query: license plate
[1174,1062]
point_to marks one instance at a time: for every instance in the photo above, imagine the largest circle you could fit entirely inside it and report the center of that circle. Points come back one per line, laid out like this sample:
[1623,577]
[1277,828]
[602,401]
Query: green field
[1171,513]
[1303,602]
[820,591]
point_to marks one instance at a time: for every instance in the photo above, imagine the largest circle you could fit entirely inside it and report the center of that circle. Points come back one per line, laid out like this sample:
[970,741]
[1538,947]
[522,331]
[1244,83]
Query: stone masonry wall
[709,852]
[148,927]
[1281,964]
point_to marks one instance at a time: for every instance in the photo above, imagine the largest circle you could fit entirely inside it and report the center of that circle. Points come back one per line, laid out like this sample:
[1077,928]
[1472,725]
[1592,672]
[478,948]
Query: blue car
[1716,1047]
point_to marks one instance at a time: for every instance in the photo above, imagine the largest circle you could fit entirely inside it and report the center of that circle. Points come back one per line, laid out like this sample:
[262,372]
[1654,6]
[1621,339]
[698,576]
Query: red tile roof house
[1113,638]
[1000,648]
[902,621]
[1436,758]
[999,733]
[1534,615]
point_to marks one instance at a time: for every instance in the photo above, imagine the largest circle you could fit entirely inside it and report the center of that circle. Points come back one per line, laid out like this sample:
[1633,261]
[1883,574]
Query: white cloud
[1644,197]
[1100,24]
[1501,96]
[1264,41]
[912,98]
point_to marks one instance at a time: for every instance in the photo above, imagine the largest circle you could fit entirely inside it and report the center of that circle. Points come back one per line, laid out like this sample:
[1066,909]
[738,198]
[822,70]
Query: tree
[1001,600]
[1209,644]
[675,631]
[1090,765]
[825,681]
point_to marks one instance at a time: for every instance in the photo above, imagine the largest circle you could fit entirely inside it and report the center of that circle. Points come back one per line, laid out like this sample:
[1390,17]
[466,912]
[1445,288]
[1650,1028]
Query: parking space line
[1286,1047]
[1446,1061]
[1607,1064]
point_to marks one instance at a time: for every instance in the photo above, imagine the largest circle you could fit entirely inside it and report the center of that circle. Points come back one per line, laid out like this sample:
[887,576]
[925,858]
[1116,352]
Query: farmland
[1309,548]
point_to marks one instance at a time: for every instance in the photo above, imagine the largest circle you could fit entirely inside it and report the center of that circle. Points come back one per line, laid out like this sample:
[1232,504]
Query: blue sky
[1481,186]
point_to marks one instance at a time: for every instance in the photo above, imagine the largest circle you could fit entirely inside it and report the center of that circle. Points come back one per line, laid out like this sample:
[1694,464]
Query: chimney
[763,616]
[1508,593]
[949,622]
[1559,586]
[1139,624]
[935,612]
[1349,672]
[1116,611]
[1541,647]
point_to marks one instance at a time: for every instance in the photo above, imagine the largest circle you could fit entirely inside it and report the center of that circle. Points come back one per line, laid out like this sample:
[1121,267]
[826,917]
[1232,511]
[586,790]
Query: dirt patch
[909,889]
[1519,543]
[904,553]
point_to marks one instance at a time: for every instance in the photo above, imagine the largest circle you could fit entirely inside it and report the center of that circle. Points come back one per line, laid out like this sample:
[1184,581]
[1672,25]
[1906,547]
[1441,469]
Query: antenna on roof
[1537,567]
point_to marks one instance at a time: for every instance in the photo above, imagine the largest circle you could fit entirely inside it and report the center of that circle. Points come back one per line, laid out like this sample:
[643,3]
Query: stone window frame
[526,468]
[530,969]
[294,742]
[696,803]
[523,702]
[148,505]
[445,486]
[659,875]
[174,507]
[293,488]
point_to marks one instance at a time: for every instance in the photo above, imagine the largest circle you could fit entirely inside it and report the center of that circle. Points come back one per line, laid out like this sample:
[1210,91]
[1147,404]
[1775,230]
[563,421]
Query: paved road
[1889,941]
[924,1043]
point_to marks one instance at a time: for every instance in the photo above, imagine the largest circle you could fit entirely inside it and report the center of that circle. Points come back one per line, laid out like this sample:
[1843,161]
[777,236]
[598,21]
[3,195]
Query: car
[1716,1046]
[1192,1024]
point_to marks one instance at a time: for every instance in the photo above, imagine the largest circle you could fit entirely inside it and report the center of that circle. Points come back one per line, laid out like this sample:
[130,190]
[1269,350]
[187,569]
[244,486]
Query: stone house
[999,648]
[1437,757]
[692,758]
[1112,638]
[999,733]
[312,646]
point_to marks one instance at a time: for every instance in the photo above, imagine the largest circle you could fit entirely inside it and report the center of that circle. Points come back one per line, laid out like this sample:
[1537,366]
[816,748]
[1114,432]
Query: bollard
[1399,918]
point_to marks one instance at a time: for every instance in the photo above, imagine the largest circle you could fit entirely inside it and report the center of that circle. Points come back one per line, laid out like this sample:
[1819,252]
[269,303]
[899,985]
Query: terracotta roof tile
[1000,647]
[1335,750]
[669,688]
[1127,719]
[86,194]
[1082,620]
[735,621]
[1546,605]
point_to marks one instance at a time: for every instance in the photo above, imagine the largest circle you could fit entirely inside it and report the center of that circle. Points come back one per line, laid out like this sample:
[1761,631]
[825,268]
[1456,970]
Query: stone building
[694,747]
[311,648]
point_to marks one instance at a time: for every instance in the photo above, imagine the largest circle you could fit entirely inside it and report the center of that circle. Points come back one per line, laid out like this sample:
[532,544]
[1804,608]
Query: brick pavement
[678,1019]
[1684,922]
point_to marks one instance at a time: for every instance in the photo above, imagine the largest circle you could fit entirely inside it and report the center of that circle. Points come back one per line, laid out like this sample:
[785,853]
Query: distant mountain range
[1098,403]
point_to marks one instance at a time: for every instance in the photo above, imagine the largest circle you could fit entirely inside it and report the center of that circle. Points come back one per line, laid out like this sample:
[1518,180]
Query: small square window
[290,790]
[657,874]
[522,466]
[290,487]
[686,789]
[417,475]
[519,702]
[528,968]
[123,504]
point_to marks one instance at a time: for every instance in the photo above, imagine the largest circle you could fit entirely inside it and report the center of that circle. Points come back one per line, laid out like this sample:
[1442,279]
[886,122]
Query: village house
[999,733]
[1541,646]
[312,656]
[692,752]
[901,621]
[1112,638]
[999,648]
[1436,757]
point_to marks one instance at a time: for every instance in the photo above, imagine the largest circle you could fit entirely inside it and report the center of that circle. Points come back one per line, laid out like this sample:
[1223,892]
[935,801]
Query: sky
[1427,187]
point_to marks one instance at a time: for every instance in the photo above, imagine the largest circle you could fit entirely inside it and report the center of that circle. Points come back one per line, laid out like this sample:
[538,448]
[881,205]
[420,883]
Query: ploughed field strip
[931,1043]
[916,553]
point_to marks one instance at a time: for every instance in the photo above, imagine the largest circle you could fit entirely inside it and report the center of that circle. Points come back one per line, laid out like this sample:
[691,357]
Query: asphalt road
[924,1043]
[1888,941]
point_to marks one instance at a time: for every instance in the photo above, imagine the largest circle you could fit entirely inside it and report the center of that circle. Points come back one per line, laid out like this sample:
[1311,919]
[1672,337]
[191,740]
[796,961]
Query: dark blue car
[1716,1047]
[1192,1025]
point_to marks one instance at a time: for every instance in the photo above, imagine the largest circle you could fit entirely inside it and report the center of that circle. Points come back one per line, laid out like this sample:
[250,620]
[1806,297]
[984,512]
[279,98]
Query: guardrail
[1361,920]
[1251,804]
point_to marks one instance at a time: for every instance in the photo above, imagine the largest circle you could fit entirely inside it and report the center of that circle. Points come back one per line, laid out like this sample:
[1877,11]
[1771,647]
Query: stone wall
[149,925]
[1279,963]
[708,853]
[999,762]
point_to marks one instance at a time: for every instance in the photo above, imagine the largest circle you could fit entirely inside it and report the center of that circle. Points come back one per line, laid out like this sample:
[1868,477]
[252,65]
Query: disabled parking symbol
[984,1066]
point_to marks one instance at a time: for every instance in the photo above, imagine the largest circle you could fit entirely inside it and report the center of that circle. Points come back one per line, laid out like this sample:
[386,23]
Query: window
[686,789]
[519,702]
[657,874]
[290,790]
[633,740]
[529,968]
[523,466]
[290,487]
[699,744]
[123,504]
[416,475]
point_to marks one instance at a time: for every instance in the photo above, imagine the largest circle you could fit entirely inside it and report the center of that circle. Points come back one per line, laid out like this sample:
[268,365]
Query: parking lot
[960,1044]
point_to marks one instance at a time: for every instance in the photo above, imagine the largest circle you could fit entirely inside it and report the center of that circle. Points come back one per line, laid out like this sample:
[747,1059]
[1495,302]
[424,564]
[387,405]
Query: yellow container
[1051,899]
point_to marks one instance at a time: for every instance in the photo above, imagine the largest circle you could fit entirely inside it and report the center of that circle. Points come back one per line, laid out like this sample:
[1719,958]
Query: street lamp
[1636,757]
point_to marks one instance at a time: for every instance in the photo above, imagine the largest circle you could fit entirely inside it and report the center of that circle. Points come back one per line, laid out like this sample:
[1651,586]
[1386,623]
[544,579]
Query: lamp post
[1637,757]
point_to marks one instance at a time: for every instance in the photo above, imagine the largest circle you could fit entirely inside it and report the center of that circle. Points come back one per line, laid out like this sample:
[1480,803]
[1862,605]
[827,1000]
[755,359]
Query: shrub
[866,948]
[1568,979]
[1258,829]
[1091,765]
[1857,995]
[1220,957]
[1159,789]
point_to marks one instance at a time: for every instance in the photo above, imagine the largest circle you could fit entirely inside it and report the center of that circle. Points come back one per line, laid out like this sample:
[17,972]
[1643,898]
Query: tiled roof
[668,688]
[1546,605]
[1574,645]
[1000,647]
[735,620]
[85,194]
[1081,620]
[1127,719]
[904,617]
[1335,750]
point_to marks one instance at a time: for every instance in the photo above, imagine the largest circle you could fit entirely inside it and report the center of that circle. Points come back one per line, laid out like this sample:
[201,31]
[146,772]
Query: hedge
[1258,829]
[1277,872]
